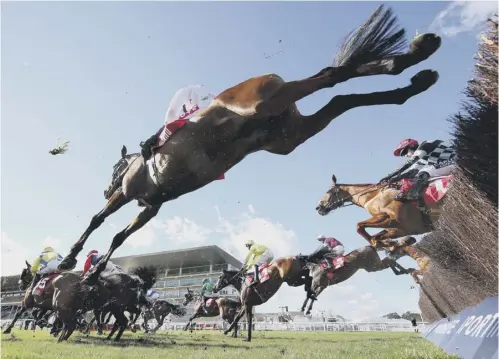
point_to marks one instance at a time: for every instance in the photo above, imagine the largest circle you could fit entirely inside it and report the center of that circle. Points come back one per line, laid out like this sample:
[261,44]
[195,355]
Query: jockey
[152,296]
[93,257]
[426,160]
[45,263]
[259,255]
[185,104]
[331,248]
[206,292]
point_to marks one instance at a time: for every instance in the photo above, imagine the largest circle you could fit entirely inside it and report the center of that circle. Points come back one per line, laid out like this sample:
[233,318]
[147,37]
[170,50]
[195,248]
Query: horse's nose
[318,207]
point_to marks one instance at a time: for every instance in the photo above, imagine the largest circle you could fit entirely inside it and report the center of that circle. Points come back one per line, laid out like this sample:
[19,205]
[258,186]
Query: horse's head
[225,279]
[189,297]
[26,277]
[119,170]
[334,198]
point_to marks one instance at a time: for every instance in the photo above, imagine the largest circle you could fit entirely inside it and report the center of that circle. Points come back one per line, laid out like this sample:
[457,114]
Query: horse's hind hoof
[7,331]
[425,45]
[425,79]
[67,263]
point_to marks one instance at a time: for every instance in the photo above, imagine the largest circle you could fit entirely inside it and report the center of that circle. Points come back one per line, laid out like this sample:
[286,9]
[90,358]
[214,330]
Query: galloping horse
[290,270]
[397,218]
[366,258]
[225,307]
[159,311]
[42,300]
[260,114]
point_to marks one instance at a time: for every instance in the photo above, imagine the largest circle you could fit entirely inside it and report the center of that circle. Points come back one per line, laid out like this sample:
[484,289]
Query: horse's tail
[147,275]
[377,38]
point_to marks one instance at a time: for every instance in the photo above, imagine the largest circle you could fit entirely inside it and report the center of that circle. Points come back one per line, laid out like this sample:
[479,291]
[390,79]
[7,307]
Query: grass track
[214,345]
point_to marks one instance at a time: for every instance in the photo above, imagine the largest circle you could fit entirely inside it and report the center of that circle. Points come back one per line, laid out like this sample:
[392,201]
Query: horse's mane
[147,274]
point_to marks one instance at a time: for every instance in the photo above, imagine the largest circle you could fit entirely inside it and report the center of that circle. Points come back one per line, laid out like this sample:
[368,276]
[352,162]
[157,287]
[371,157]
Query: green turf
[214,345]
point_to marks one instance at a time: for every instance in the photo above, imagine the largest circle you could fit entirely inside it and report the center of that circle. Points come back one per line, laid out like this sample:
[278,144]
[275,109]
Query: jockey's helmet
[321,237]
[48,249]
[93,251]
[405,146]
[206,280]
[249,243]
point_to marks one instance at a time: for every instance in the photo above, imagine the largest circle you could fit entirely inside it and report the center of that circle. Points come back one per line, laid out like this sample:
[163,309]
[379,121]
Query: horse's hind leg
[114,203]
[123,321]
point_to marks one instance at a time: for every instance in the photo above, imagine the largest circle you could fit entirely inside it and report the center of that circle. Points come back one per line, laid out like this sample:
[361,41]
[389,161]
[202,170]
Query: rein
[342,202]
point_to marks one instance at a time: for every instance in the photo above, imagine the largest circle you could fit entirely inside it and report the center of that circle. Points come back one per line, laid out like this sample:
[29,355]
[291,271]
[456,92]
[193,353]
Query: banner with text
[471,334]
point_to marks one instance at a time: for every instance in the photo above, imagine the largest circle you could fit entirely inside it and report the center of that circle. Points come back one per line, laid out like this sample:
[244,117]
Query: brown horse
[366,258]
[159,310]
[42,301]
[225,307]
[290,270]
[260,114]
[395,217]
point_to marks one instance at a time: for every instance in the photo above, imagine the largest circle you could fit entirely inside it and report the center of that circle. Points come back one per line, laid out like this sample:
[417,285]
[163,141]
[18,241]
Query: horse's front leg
[194,316]
[138,222]
[114,203]
[381,220]
[19,312]
[236,320]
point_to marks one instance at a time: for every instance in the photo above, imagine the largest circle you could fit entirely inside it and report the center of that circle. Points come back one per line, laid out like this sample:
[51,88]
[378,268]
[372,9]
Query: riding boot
[317,255]
[417,188]
[256,278]
[148,145]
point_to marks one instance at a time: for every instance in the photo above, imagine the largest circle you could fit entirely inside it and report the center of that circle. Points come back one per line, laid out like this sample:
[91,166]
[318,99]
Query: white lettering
[482,324]
[473,325]
[465,324]
[453,325]
[492,329]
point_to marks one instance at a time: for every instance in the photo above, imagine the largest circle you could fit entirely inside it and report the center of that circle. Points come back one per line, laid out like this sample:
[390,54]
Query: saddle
[42,283]
[264,274]
[434,192]
[329,265]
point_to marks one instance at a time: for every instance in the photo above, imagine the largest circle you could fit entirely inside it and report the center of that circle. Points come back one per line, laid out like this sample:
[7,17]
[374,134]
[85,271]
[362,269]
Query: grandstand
[177,271]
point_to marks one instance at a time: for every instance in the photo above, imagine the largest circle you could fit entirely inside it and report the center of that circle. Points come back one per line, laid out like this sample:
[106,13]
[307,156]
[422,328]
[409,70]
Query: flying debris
[274,54]
[60,148]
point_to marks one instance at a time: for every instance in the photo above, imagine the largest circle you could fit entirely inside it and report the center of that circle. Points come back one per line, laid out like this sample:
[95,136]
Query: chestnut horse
[260,114]
[225,307]
[395,217]
[290,270]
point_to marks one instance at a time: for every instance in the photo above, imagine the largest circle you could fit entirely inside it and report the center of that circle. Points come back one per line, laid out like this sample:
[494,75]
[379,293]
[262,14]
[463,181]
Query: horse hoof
[7,331]
[67,263]
[225,333]
[425,79]
[246,340]
[425,45]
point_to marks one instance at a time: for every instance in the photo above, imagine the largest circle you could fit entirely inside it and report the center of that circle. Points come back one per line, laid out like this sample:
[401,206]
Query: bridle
[348,200]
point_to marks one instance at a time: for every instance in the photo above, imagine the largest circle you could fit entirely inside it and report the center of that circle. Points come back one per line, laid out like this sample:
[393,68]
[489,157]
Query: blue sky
[101,75]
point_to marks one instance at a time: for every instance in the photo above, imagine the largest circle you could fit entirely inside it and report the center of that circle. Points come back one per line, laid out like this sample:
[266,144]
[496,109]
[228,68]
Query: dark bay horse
[224,307]
[122,292]
[366,258]
[260,114]
[395,217]
[290,270]
[159,310]
[42,301]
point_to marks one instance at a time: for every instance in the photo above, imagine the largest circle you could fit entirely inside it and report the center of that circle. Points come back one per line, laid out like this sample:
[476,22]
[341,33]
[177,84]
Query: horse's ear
[27,264]
[334,180]
[123,151]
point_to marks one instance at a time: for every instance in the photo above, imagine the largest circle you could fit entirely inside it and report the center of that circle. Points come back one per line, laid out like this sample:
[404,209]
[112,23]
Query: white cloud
[144,237]
[463,16]
[13,256]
